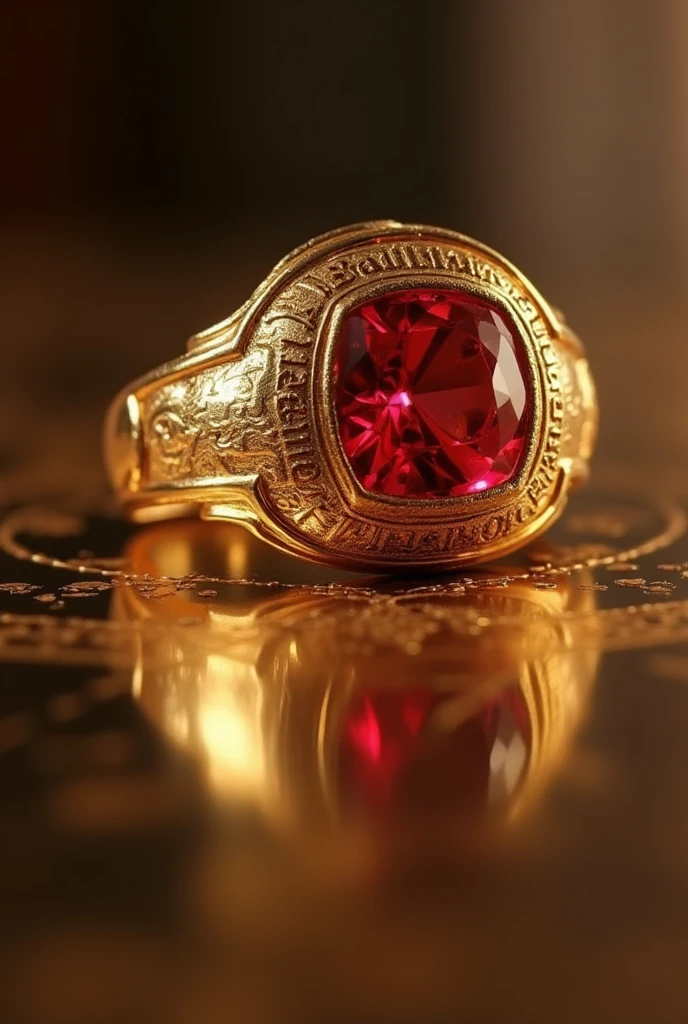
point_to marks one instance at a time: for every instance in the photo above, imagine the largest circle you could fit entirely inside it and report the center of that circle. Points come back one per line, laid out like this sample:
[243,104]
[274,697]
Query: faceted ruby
[432,394]
[415,752]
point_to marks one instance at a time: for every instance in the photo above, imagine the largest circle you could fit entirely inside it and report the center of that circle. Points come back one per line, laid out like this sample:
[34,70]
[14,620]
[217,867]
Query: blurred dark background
[159,157]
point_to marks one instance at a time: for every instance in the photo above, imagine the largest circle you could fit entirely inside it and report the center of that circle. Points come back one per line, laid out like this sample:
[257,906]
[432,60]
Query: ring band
[390,397]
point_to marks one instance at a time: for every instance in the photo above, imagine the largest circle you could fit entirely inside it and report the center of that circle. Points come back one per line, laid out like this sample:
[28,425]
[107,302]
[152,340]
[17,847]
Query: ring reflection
[349,701]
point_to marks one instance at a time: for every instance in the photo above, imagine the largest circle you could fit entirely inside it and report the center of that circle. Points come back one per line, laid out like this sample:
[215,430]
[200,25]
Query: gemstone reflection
[421,751]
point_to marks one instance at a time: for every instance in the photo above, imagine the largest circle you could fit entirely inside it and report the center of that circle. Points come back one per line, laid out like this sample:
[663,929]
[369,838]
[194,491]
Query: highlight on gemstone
[418,752]
[432,394]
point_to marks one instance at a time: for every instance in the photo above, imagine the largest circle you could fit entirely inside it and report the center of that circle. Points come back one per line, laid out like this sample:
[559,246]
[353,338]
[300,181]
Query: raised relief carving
[307,507]
[213,424]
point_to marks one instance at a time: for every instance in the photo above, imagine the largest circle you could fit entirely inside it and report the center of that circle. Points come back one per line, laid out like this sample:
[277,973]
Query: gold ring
[390,397]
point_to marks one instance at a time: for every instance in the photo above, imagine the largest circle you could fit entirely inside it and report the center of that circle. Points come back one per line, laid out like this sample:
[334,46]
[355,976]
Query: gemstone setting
[432,393]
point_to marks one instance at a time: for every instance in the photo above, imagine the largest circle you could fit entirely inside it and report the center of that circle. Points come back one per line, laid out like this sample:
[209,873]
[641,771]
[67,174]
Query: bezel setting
[352,491]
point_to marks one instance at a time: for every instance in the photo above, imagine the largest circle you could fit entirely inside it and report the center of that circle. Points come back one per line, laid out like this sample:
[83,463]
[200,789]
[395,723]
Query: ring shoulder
[580,407]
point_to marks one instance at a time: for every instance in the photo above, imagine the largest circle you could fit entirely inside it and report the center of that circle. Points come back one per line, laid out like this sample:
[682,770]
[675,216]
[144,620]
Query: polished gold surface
[242,427]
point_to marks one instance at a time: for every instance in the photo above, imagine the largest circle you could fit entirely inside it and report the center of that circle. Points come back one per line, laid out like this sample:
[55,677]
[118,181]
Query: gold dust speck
[19,588]
[84,588]
[659,587]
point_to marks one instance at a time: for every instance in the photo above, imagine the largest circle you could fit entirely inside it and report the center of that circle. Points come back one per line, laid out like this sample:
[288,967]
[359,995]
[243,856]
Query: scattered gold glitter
[660,587]
[85,588]
[19,588]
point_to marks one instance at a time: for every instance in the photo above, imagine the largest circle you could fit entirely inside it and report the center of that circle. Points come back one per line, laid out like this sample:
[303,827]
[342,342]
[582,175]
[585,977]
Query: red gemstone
[416,751]
[432,394]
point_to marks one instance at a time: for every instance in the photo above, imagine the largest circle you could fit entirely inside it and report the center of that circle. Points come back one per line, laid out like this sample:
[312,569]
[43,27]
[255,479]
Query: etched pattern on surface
[213,424]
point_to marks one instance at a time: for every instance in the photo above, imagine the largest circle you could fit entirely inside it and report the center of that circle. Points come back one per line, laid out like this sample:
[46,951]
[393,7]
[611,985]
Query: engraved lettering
[514,517]
[291,377]
[293,356]
[307,317]
[291,409]
[315,283]
[341,273]
[370,265]
[304,471]
[303,340]
[469,266]
[414,257]
[398,541]
[491,529]
[456,262]
[536,487]
[298,443]
[435,257]
[553,377]
[466,535]
[527,307]
[430,541]
[484,272]
[556,407]
[359,533]
[393,258]
[504,284]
